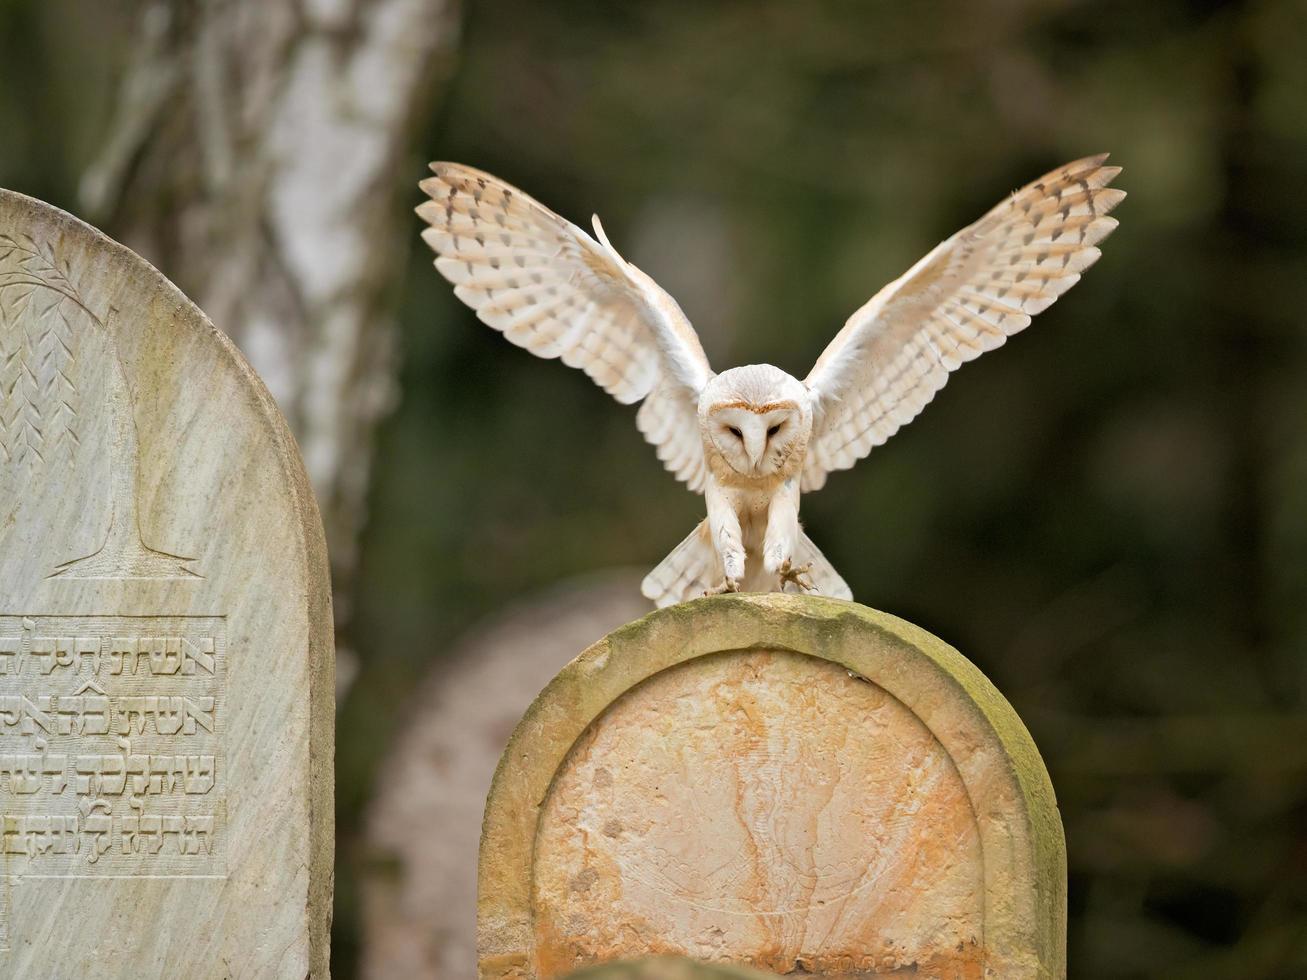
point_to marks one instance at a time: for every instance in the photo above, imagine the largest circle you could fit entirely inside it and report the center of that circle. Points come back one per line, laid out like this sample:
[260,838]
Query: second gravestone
[166,705]
[797,784]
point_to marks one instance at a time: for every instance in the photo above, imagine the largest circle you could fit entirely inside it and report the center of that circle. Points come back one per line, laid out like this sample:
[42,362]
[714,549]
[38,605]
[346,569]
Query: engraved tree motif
[39,304]
[38,413]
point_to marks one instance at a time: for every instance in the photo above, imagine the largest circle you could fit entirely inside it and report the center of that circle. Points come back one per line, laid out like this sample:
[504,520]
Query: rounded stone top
[795,783]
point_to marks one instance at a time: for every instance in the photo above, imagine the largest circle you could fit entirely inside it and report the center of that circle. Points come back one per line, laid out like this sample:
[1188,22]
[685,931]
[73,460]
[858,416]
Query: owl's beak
[754,446]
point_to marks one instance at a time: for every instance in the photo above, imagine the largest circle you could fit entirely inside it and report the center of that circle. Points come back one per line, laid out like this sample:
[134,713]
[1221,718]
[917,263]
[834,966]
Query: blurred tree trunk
[259,155]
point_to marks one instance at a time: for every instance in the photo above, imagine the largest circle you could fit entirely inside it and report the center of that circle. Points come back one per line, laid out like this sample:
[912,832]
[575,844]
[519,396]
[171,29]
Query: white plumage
[752,438]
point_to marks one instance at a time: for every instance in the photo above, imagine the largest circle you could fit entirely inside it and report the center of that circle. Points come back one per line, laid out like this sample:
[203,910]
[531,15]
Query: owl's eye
[735,432]
[774,429]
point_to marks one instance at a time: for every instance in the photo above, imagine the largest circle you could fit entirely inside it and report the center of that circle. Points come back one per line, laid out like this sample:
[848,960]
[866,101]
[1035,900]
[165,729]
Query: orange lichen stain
[557,959]
[508,966]
[965,962]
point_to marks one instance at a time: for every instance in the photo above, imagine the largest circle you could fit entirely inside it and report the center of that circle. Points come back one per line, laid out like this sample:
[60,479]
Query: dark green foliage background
[1109,515]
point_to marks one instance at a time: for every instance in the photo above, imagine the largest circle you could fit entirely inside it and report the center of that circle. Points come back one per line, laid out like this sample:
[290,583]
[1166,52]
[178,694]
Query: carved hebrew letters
[111,747]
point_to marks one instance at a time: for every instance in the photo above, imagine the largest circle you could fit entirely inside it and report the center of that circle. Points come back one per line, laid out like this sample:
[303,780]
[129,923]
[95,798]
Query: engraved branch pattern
[38,399]
[39,414]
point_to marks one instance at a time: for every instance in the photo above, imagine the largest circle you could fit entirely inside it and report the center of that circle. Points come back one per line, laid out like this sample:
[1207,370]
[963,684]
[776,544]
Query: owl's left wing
[549,287]
[967,296]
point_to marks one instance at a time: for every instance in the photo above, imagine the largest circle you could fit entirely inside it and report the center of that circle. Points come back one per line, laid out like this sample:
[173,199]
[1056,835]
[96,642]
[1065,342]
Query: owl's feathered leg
[727,537]
[782,530]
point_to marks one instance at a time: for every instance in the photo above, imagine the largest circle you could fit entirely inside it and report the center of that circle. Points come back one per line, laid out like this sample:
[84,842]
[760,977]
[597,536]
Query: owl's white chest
[749,502]
[753,531]
[751,511]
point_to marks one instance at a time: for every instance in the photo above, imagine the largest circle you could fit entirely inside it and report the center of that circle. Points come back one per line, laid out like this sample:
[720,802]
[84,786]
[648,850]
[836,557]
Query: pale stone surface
[667,968]
[797,784]
[419,893]
[166,716]
[763,805]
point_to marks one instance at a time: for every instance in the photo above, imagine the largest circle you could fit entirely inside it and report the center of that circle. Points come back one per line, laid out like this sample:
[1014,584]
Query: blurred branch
[151,80]
[258,155]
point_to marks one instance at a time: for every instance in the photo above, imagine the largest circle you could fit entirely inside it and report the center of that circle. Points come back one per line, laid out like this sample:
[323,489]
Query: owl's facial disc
[756,440]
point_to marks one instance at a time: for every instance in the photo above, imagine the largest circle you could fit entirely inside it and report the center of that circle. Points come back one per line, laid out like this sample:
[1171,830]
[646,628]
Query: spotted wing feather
[967,296]
[548,286]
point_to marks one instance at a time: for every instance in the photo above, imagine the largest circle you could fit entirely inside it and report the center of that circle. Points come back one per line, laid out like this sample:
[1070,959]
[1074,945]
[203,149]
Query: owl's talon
[798,574]
[727,585]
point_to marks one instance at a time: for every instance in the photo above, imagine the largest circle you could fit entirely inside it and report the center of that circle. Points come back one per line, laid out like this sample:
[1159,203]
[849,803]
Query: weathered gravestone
[667,968]
[166,713]
[797,784]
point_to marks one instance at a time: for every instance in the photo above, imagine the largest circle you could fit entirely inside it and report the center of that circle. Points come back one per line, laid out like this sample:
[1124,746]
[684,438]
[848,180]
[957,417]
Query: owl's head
[757,418]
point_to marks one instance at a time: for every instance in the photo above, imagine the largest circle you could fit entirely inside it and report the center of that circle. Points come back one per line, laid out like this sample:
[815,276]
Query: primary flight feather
[752,438]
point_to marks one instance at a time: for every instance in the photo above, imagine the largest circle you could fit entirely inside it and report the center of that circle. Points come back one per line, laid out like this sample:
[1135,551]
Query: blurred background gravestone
[166,662]
[425,823]
[797,784]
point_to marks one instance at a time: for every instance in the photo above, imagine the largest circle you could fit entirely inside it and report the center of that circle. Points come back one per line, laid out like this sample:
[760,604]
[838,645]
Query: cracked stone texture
[766,806]
[791,783]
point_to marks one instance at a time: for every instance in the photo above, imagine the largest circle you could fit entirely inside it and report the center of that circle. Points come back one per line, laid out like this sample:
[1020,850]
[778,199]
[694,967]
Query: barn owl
[753,438]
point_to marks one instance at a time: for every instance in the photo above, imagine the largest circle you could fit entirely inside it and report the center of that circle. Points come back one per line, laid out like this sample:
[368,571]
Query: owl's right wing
[549,287]
[967,296]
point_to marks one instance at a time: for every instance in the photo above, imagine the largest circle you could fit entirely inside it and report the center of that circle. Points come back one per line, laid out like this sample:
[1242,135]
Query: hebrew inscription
[111,746]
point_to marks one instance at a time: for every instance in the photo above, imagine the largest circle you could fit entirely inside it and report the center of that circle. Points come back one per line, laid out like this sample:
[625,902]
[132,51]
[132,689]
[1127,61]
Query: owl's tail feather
[693,567]
[823,574]
[690,570]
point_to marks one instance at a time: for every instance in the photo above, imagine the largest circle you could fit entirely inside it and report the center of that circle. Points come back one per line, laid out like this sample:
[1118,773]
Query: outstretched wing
[967,296]
[549,287]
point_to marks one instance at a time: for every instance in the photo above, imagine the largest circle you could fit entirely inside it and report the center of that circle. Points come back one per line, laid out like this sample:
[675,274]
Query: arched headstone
[166,705]
[799,784]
